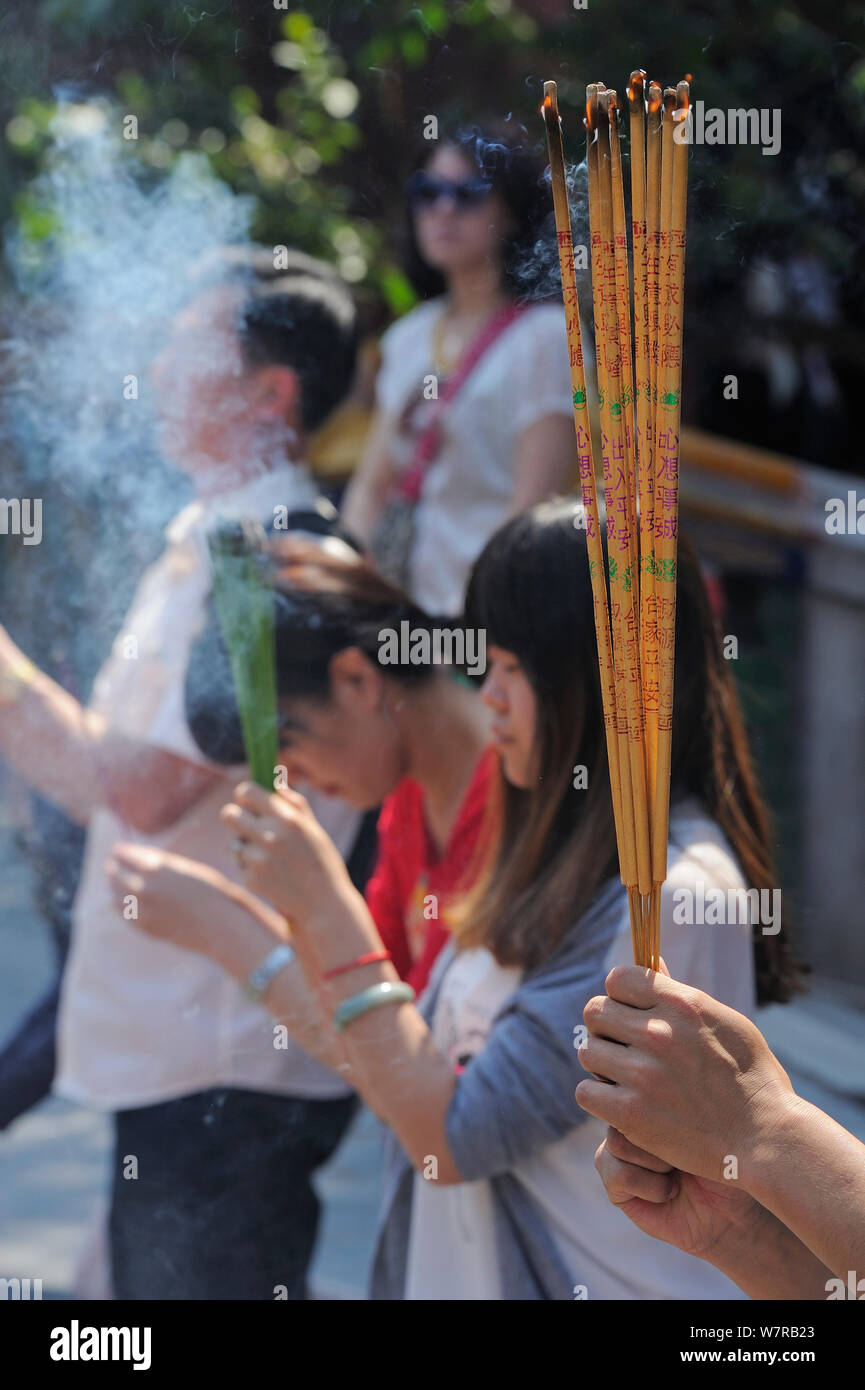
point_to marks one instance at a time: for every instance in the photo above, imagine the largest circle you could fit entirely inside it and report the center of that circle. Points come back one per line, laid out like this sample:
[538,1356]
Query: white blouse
[467,491]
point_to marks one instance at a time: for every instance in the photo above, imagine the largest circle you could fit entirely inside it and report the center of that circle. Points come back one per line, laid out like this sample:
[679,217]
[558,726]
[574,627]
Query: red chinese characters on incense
[639,395]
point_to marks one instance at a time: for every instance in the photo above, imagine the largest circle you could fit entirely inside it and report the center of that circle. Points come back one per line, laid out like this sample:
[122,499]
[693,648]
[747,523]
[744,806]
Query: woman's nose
[492,693]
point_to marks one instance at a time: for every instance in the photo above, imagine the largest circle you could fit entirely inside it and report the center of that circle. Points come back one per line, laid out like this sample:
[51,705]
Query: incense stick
[648,593]
[674,177]
[619,525]
[588,485]
[603,341]
[619,472]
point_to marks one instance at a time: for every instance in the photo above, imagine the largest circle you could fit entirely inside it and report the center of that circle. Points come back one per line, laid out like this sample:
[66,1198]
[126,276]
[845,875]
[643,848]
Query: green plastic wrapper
[243,600]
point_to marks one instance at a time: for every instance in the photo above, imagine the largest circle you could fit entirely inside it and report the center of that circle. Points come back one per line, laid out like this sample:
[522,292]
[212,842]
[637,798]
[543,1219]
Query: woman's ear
[356,680]
[276,393]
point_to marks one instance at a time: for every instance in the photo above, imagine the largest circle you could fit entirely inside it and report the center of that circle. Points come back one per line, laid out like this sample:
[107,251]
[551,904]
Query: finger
[263,803]
[250,858]
[624,1181]
[259,830]
[253,797]
[118,874]
[663,967]
[608,1059]
[607,1018]
[130,884]
[132,856]
[622,1148]
[634,985]
[605,1102]
[291,795]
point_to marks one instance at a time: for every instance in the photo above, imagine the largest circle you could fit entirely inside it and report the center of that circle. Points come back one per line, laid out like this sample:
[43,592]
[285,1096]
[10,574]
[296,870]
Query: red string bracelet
[369,959]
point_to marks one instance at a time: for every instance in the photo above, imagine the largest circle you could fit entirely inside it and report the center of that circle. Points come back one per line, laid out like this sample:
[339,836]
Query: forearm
[359,510]
[46,736]
[393,1060]
[69,755]
[545,463]
[369,484]
[247,931]
[767,1261]
[810,1172]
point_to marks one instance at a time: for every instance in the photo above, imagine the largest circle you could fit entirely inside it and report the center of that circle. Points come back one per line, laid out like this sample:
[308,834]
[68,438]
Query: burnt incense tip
[551,100]
[655,97]
[669,99]
[592,107]
[636,85]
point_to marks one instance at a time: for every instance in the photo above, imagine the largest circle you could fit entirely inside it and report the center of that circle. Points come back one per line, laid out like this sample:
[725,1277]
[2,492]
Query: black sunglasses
[424,190]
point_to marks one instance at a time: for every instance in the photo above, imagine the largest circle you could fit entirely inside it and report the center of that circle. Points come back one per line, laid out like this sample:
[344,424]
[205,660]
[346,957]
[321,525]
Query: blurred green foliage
[316,110]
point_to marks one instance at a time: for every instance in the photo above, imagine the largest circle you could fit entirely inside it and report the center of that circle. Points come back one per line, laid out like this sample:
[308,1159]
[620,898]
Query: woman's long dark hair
[501,153]
[549,849]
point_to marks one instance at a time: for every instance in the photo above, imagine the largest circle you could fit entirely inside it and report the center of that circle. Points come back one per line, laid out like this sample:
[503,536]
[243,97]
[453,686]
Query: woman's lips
[500,737]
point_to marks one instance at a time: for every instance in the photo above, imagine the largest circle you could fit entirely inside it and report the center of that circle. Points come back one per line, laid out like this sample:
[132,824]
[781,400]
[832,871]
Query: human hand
[696,1215]
[694,1082]
[285,855]
[175,899]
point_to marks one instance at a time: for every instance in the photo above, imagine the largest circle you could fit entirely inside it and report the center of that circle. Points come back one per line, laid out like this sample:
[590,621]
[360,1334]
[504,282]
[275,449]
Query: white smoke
[90,309]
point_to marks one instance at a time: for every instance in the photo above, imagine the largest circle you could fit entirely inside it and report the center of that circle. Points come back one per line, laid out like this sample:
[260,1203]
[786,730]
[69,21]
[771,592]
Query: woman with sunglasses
[474,416]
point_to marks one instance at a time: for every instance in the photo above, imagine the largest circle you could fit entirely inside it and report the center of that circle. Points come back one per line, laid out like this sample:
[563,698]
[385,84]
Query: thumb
[662,968]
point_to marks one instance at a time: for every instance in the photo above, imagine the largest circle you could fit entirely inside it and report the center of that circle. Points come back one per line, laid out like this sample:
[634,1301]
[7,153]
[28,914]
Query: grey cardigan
[515,1097]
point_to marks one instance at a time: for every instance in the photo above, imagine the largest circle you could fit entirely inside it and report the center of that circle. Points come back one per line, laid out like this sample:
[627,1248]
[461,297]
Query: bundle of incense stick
[243,600]
[639,394]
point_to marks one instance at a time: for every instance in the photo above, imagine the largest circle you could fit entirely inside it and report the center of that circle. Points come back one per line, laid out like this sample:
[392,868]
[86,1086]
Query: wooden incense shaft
[621,519]
[673,203]
[642,375]
[626,835]
[632,587]
[623,306]
[648,605]
[588,486]
[653,224]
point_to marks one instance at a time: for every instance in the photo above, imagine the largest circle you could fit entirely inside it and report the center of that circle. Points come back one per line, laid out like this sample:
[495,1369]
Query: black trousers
[212,1195]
